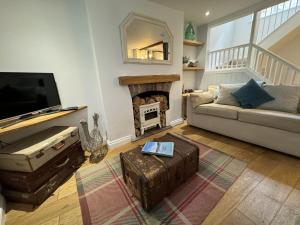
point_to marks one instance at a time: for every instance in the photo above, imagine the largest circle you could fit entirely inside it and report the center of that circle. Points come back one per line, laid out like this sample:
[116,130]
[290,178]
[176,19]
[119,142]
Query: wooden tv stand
[37,120]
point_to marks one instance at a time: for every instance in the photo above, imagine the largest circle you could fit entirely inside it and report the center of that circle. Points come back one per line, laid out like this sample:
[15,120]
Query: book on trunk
[159,148]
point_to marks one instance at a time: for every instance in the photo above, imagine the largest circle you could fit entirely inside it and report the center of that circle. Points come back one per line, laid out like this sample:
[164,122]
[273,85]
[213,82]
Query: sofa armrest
[201,98]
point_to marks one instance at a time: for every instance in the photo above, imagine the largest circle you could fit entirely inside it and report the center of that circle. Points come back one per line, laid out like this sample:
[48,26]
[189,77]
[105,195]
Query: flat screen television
[23,93]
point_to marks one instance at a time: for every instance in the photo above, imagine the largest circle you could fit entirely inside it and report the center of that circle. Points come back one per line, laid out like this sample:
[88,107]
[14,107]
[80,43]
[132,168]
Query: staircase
[276,21]
[266,65]
[272,24]
[273,69]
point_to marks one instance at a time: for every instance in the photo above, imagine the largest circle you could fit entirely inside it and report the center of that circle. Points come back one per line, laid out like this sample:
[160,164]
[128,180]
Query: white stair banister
[228,58]
[270,19]
[272,68]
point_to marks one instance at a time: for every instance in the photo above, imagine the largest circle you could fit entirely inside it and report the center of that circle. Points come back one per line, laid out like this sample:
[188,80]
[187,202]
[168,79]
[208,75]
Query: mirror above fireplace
[146,40]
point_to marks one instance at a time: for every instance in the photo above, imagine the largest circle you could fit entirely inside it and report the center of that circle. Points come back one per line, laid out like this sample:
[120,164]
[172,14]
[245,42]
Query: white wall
[105,17]
[234,76]
[242,30]
[233,33]
[51,36]
[221,36]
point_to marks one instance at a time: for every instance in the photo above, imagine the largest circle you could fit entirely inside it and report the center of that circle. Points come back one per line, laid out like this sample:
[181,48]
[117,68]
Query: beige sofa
[276,130]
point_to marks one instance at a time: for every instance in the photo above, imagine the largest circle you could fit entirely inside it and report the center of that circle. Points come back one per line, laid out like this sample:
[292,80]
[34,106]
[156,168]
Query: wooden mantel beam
[148,79]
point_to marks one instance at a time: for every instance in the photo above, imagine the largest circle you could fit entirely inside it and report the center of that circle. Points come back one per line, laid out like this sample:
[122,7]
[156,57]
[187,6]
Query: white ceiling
[194,10]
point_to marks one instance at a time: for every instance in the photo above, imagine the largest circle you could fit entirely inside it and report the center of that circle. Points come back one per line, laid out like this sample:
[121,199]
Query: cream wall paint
[51,36]
[289,47]
[105,16]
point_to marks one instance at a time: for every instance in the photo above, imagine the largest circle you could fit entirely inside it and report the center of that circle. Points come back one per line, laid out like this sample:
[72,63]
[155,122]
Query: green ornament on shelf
[190,32]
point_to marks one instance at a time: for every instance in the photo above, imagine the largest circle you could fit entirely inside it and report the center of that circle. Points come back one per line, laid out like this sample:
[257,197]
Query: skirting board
[176,122]
[118,142]
[129,138]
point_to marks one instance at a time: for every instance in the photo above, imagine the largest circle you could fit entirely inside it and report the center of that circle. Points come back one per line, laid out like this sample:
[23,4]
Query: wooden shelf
[193,68]
[193,43]
[37,120]
[148,79]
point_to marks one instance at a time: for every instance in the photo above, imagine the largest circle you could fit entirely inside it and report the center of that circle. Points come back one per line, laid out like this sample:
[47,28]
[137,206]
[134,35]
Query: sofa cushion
[225,97]
[251,95]
[213,109]
[286,98]
[201,98]
[280,120]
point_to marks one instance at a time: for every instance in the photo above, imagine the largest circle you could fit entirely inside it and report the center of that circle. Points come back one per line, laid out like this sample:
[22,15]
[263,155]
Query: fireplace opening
[148,94]
[149,109]
[151,115]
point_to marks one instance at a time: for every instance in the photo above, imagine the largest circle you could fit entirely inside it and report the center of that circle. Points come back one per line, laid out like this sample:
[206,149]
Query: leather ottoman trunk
[31,181]
[30,153]
[150,178]
[71,160]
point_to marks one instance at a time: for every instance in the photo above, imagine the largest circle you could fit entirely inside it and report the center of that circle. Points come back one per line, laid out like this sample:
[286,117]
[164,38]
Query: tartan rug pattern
[105,199]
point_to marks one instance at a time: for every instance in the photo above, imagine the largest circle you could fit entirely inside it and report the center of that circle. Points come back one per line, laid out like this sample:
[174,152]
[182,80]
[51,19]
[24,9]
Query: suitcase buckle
[39,155]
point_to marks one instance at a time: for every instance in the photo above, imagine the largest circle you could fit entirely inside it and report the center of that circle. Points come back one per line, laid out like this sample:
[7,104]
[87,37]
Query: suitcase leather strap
[167,171]
[164,165]
[179,153]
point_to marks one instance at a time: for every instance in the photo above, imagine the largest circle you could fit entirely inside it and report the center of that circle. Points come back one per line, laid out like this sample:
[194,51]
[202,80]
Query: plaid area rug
[105,199]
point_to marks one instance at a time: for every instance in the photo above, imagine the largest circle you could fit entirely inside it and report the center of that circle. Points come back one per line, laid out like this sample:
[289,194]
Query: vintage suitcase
[30,153]
[31,181]
[150,178]
[76,158]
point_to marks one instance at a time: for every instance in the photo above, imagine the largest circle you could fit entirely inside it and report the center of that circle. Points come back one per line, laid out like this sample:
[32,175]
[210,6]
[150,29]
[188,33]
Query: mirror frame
[123,26]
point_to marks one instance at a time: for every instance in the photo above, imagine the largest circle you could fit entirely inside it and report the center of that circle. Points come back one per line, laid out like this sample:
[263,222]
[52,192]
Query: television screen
[22,93]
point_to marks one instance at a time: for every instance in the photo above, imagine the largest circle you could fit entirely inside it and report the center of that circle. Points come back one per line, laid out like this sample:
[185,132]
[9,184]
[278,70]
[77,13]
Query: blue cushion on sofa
[251,95]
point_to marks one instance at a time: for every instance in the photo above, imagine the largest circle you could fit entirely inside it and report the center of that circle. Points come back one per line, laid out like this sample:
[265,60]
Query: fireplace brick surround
[146,90]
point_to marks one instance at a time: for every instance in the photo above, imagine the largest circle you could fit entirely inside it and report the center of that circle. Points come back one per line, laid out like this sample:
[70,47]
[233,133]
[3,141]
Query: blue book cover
[159,148]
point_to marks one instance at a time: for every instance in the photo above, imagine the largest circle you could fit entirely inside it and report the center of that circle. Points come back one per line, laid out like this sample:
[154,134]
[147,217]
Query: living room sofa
[272,129]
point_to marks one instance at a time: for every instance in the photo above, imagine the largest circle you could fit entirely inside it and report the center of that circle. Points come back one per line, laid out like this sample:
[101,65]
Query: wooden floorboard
[267,192]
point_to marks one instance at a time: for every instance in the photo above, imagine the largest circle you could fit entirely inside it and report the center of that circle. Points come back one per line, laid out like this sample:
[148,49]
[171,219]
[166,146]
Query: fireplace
[149,116]
[149,110]
[150,100]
